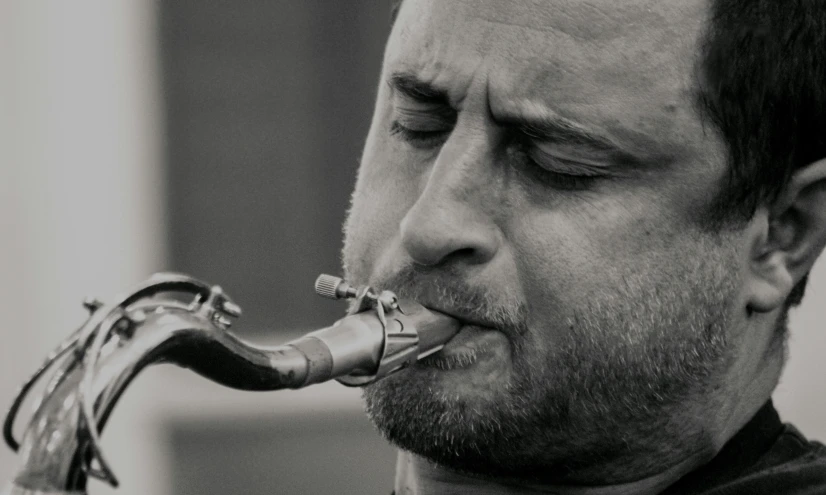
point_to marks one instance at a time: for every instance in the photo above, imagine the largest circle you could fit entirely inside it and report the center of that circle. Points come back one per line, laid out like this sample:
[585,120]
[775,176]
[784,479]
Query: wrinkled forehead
[631,62]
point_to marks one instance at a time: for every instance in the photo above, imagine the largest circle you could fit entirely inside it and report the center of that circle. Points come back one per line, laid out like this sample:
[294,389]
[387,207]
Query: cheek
[569,257]
[384,192]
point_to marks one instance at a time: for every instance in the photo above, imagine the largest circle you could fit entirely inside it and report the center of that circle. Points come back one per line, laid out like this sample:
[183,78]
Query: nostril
[467,253]
[452,245]
[434,231]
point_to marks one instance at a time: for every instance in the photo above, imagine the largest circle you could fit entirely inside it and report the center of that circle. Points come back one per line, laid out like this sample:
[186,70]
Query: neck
[415,475]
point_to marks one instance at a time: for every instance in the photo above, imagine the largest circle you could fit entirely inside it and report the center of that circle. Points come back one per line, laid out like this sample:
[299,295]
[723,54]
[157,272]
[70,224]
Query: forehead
[627,66]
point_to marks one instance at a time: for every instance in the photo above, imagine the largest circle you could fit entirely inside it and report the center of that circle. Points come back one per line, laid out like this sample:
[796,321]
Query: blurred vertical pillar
[81,190]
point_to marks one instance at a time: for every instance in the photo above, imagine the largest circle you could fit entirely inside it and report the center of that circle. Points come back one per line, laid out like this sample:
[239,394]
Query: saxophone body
[177,319]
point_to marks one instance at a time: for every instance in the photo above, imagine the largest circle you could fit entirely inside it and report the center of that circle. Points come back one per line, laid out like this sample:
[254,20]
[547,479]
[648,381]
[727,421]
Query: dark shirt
[766,457]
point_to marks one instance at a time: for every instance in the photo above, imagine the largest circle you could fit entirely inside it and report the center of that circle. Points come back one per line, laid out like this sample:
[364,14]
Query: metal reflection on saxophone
[177,319]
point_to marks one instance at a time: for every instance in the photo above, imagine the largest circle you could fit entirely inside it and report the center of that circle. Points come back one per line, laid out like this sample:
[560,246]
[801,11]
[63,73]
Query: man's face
[537,169]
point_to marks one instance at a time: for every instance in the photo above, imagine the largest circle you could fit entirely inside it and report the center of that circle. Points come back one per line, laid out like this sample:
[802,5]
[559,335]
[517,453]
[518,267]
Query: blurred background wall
[82,198]
[219,139]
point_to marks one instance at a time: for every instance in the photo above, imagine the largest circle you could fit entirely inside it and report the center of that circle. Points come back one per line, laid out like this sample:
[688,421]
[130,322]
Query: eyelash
[557,180]
[418,139]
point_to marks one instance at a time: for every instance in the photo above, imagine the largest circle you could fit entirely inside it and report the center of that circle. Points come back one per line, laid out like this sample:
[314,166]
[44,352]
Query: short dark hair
[762,71]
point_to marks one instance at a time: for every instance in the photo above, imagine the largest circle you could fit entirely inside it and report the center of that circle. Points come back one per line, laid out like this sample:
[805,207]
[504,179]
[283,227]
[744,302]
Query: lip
[471,344]
[464,320]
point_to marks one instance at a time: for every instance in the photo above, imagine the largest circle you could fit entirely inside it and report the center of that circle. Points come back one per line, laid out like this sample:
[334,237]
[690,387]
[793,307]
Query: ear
[788,237]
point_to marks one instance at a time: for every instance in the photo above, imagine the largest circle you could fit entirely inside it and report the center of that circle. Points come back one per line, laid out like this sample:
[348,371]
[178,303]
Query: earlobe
[770,283]
[788,238]
[769,280]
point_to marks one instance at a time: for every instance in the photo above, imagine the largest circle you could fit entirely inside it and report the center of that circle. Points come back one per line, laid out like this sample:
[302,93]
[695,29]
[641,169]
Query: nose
[453,220]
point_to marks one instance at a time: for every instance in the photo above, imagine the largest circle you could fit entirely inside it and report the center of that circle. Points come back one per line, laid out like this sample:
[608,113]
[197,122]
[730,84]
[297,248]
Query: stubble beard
[620,398]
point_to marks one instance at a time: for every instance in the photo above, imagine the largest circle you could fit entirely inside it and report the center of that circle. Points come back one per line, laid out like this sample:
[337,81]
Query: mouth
[465,320]
[475,341]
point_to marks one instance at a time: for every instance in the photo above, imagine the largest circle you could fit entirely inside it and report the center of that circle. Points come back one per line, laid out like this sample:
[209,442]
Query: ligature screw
[333,287]
[389,300]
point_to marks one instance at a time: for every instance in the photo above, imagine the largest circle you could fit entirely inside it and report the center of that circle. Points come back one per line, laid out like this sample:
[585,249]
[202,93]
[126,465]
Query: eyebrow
[563,131]
[538,123]
[413,87]
[552,128]
[545,125]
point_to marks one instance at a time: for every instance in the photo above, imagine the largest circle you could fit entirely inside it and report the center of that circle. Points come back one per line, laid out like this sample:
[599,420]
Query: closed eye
[551,170]
[419,138]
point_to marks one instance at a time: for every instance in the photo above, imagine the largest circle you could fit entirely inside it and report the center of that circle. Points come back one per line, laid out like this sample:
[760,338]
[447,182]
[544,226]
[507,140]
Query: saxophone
[174,318]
